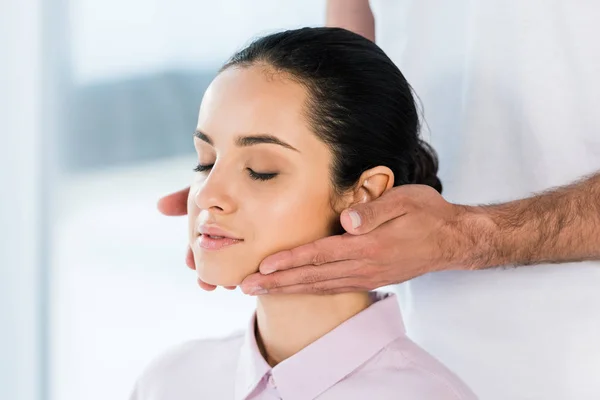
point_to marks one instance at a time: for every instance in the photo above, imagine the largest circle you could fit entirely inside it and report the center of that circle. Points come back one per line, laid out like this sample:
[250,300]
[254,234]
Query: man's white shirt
[511,98]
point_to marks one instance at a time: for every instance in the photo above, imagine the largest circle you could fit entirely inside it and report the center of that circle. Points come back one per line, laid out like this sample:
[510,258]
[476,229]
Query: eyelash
[253,175]
[203,167]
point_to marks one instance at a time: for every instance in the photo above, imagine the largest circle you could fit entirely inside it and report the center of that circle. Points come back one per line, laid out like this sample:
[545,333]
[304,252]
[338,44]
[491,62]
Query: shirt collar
[326,361]
[252,367]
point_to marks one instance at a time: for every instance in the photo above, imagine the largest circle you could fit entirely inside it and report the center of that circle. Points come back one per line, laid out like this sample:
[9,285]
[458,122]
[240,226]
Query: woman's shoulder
[190,370]
[198,353]
[406,366]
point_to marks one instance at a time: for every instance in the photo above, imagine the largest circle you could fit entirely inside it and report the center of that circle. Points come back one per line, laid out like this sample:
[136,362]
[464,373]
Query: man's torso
[510,91]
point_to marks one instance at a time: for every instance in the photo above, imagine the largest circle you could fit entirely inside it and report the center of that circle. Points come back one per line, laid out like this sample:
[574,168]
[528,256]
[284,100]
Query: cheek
[271,219]
[293,219]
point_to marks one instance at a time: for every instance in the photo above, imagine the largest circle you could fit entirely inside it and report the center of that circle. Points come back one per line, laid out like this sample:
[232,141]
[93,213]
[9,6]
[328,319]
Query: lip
[215,238]
[213,230]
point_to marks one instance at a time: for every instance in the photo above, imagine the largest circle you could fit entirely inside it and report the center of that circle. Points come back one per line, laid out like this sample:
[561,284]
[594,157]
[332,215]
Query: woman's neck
[288,323]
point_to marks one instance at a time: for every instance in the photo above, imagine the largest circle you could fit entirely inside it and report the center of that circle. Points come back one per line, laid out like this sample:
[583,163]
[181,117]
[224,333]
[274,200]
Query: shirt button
[272,381]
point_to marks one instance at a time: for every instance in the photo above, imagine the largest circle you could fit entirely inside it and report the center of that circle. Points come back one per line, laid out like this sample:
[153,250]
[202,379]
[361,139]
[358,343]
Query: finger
[189,259]
[333,286]
[206,286]
[322,251]
[309,274]
[175,203]
[365,217]
[230,287]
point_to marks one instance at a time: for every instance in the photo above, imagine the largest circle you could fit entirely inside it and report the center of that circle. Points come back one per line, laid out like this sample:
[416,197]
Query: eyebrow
[245,141]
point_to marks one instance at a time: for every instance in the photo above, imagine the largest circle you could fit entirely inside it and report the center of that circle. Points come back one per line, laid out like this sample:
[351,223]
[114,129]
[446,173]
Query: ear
[371,185]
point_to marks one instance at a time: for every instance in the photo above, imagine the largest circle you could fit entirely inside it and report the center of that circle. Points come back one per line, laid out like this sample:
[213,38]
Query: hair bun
[426,166]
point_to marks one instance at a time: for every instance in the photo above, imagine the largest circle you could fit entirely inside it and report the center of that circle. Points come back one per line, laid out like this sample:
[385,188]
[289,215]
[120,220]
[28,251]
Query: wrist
[479,239]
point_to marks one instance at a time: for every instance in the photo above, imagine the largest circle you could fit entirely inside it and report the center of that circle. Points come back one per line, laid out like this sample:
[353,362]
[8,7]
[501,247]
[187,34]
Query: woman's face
[265,179]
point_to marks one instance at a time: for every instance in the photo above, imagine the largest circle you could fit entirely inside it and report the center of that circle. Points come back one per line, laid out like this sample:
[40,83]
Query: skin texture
[292,208]
[297,205]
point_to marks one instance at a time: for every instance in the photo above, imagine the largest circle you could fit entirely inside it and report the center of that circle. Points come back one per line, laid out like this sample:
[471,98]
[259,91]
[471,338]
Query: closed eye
[261,176]
[258,176]
[203,167]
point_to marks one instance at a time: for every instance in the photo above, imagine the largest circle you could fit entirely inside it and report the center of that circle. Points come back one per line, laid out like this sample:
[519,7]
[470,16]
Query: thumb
[364,217]
[174,203]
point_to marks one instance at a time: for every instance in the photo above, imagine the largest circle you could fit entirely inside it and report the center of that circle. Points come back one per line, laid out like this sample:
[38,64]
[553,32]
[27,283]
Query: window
[120,292]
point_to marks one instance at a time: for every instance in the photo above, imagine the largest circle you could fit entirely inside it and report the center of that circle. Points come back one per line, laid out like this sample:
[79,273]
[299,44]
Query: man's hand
[411,230]
[175,204]
[407,232]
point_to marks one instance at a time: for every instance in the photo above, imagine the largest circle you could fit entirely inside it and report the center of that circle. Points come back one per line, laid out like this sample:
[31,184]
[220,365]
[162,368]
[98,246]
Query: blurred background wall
[98,102]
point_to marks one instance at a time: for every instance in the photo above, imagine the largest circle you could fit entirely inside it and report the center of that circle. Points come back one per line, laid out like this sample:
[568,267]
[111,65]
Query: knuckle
[319,257]
[309,275]
[369,214]
[271,283]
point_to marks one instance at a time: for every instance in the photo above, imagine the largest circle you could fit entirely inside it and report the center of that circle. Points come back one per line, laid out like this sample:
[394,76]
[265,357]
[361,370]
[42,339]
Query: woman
[295,128]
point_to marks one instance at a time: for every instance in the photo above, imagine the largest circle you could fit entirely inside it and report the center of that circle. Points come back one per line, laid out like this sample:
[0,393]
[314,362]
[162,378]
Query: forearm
[354,15]
[559,225]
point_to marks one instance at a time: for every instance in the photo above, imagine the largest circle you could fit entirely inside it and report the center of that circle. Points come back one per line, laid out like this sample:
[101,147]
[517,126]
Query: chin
[223,276]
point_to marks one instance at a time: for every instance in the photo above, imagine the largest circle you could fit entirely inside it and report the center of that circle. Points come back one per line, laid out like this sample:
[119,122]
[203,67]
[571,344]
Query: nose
[214,194]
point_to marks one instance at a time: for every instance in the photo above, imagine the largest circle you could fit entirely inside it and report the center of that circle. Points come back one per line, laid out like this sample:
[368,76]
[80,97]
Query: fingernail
[267,270]
[355,218]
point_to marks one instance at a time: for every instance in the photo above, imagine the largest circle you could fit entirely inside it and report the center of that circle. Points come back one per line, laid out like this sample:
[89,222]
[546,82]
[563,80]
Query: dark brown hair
[359,104]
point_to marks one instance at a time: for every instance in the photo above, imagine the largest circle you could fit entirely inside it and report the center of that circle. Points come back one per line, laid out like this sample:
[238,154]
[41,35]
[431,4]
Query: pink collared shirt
[368,356]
